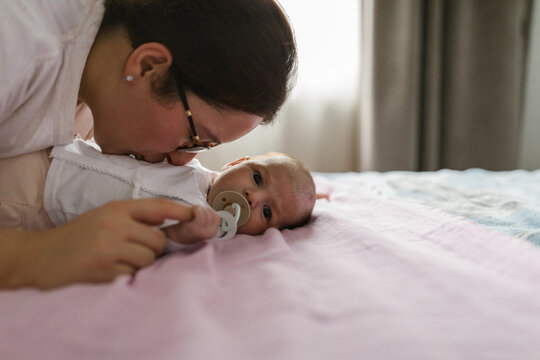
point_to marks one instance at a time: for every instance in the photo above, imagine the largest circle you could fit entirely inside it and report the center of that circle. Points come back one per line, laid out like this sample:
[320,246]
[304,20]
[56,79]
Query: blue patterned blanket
[507,201]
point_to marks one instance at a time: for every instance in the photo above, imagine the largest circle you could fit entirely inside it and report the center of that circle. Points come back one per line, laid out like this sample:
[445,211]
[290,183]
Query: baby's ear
[235,162]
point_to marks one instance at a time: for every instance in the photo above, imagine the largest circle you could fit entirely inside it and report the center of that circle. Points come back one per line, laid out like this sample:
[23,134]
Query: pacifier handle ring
[227,221]
[237,210]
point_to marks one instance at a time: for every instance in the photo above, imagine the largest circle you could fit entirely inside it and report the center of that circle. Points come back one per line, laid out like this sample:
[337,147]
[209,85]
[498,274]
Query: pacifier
[224,201]
[234,210]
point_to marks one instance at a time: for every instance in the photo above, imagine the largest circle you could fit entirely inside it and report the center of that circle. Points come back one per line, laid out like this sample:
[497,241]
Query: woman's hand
[115,239]
[203,225]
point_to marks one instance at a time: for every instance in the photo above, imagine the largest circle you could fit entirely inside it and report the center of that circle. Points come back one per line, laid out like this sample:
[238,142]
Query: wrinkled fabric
[368,278]
[22,180]
[45,46]
[81,178]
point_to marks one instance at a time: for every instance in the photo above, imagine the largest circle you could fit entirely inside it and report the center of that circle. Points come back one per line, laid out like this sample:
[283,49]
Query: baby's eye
[267,212]
[257,177]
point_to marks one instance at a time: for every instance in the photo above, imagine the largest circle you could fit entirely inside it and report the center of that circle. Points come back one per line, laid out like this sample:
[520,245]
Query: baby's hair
[304,187]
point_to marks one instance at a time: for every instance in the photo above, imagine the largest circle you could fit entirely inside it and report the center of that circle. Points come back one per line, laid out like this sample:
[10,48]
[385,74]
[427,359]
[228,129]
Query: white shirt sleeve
[44,49]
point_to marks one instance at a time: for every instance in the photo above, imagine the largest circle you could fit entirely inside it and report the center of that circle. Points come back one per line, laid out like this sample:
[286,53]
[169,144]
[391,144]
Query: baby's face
[267,184]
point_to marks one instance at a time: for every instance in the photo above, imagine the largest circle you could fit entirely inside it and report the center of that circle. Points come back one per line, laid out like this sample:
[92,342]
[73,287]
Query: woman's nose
[180,157]
[152,158]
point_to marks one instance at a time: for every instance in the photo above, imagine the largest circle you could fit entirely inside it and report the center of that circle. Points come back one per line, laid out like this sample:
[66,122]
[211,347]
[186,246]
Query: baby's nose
[252,196]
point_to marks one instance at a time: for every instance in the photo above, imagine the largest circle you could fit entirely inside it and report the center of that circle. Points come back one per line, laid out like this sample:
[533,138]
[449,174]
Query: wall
[317,123]
[530,149]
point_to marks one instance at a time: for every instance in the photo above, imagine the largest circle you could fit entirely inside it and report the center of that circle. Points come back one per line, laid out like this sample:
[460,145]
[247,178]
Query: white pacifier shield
[224,201]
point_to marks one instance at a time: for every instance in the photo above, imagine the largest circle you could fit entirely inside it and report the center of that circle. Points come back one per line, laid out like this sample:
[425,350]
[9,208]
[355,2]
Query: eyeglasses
[196,145]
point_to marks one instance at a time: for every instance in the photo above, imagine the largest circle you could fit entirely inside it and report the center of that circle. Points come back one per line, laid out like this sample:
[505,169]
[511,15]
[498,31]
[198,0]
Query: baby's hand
[203,225]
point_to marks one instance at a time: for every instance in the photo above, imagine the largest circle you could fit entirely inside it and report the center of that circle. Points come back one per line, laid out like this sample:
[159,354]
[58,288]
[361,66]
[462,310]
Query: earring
[129,78]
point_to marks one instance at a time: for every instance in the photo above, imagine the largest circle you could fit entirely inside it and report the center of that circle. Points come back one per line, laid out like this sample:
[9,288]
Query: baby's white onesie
[81,178]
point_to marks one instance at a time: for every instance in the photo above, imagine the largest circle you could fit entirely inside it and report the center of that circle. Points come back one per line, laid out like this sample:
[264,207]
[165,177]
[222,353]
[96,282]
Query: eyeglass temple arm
[188,114]
[186,106]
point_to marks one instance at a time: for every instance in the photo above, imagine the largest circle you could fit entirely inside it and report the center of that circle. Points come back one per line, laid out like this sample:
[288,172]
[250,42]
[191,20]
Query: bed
[398,265]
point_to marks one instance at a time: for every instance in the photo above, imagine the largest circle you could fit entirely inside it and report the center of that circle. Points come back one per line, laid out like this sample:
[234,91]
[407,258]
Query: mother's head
[232,59]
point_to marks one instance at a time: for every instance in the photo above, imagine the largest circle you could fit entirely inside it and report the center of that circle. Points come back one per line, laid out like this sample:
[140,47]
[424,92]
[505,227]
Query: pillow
[22,180]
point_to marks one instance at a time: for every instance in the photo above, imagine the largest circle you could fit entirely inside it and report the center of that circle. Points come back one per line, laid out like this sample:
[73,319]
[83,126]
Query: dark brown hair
[237,54]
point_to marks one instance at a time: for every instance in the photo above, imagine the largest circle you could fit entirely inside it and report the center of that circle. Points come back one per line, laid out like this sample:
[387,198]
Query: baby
[277,189]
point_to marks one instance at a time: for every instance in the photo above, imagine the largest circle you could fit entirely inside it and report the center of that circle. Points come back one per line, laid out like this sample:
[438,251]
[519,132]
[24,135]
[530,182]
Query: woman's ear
[235,162]
[148,59]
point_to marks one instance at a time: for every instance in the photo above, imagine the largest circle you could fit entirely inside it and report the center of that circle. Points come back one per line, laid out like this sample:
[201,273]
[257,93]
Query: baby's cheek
[241,230]
[251,228]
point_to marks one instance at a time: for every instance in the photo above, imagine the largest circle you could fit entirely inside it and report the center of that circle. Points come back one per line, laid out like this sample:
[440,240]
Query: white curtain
[319,122]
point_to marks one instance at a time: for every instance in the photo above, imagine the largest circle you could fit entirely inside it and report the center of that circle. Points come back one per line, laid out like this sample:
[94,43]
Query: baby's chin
[247,231]
[243,230]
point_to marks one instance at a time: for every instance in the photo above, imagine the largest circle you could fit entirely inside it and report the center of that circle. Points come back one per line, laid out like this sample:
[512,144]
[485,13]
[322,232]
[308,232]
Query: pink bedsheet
[368,278]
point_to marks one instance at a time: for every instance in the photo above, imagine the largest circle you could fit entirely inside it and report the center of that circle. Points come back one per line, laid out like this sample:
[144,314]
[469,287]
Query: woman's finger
[135,255]
[123,269]
[147,236]
[112,272]
[155,211]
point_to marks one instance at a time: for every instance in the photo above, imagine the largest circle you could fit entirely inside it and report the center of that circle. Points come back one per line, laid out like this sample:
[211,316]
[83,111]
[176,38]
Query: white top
[45,44]
[81,178]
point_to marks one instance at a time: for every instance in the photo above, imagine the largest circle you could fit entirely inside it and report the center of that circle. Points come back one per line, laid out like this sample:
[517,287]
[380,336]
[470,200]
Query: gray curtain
[442,83]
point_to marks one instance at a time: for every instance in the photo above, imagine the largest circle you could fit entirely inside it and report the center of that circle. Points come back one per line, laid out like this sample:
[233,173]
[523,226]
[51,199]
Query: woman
[163,79]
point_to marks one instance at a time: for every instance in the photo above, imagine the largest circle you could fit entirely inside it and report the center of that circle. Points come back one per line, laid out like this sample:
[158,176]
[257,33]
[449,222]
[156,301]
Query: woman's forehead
[226,125]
